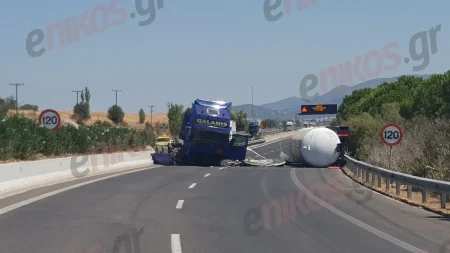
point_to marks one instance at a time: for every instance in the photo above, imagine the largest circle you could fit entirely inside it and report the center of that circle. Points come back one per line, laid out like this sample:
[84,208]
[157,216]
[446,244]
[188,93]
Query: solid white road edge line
[175,243]
[46,195]
[207,175]
[179,204]
[257,154]
[192,185]
[355,221]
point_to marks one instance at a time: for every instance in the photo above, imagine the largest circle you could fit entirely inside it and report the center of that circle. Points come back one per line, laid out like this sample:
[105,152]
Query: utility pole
[17,95]
[169,104]
[151,114]
[77,91]
[116,94]
[253,118]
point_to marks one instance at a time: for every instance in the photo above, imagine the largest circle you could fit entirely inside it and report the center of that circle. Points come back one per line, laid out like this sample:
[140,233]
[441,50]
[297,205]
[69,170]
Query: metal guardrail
[367,171]
[264,131]
[276,130]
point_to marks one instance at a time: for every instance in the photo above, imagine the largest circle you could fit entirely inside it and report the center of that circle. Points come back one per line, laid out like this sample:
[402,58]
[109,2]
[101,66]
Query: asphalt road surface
[213,209]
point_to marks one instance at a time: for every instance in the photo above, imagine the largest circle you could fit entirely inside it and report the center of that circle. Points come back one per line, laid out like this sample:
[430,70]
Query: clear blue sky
[205,49]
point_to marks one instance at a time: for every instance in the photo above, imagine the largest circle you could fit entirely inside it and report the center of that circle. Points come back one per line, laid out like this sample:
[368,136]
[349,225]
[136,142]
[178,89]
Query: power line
[151,114]
[77,91]
[116,94]
[17,95]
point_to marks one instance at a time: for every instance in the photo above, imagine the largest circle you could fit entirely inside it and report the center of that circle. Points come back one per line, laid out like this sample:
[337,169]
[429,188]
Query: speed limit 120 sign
[50,119]
[391,134]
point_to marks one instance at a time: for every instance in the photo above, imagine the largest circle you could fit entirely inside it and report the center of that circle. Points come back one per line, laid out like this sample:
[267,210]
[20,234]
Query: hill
[289,107]
[257,110]
[131,119]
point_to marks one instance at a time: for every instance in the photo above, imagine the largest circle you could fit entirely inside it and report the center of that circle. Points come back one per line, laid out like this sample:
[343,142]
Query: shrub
[116,114]
[24,139]
[141,116]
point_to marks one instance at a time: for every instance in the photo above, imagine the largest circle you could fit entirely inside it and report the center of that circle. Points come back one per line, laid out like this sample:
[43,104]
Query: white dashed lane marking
[179,204]
[175,243]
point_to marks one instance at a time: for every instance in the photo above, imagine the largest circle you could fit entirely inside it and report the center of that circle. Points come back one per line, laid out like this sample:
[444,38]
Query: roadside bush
[24,139]
[116,114]
[421,107]
[424,150]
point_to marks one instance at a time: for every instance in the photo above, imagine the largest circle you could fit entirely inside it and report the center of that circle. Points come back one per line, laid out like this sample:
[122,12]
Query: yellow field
[131,119]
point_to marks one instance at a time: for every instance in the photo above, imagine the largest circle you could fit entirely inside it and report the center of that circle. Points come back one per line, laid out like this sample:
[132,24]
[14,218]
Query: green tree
[141,116]
[29,107]
[116,114]
[175,115]
[241,120]
[82,110]
[5,105]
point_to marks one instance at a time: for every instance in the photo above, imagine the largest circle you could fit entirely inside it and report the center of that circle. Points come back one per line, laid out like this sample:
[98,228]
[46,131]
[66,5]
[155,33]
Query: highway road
[214,209]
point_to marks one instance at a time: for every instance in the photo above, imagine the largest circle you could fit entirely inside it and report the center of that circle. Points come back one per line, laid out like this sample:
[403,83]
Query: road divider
[272,139]
[23,176]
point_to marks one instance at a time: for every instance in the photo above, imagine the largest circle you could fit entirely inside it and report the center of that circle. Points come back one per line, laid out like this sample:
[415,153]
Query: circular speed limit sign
[50,119]
[391,134]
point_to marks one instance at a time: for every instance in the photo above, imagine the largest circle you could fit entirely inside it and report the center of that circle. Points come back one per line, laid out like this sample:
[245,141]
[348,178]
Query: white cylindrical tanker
[315,146]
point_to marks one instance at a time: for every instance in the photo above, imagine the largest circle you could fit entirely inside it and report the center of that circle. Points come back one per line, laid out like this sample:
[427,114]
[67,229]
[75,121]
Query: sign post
[50,119]
[391,135]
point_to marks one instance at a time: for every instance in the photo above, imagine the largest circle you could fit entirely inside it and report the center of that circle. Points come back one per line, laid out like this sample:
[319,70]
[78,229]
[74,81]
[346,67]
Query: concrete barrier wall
[22,176]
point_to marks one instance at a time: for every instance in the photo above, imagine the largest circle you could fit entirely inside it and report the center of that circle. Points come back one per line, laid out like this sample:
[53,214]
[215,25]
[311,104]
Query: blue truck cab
[253,128]
[206,134]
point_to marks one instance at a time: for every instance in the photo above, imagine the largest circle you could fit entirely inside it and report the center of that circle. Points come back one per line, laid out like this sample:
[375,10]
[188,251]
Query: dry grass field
[131,119]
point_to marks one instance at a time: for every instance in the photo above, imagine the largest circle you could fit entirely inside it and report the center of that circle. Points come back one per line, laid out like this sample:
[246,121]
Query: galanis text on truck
[212,123]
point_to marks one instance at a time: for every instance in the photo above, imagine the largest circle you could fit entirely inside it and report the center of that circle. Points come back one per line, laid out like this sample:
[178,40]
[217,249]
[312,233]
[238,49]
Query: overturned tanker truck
[318,146]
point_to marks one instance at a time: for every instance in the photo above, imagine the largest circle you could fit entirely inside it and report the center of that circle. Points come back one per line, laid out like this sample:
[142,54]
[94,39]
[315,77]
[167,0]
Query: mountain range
[287,109]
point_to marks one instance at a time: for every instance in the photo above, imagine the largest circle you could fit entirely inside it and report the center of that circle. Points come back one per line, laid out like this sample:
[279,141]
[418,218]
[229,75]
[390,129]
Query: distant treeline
[9,103]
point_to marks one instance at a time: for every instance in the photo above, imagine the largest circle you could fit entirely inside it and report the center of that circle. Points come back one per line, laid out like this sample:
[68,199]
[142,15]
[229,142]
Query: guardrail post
[358,172]
[373,179]
[397,187]
[409,192]
[379,181]
[388,184]
[443,200]
[424,196]
[367,176]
